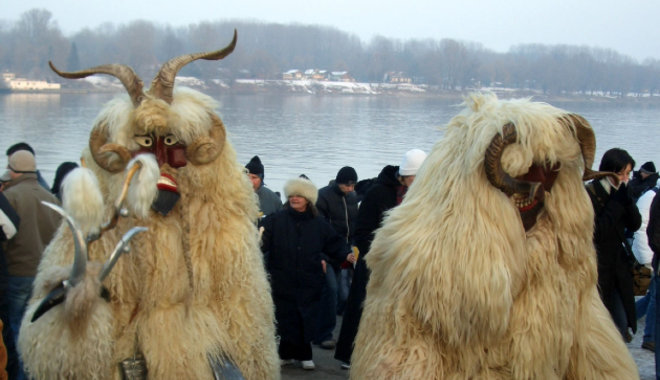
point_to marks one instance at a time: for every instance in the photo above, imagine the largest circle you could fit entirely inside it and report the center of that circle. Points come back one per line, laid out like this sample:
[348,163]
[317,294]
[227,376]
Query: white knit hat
[411,162]
[303,187]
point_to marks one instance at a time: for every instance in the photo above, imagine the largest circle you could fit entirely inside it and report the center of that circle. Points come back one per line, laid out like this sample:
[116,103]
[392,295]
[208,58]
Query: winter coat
[9,222]
[638,186]
[653,230]
[339,209]
[640,244]
[269,202]
[294,244]
[37,227]
[614,212]
[381,197]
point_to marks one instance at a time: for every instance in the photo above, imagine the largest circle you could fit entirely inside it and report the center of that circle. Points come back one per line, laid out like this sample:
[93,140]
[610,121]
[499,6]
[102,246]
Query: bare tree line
[265,51]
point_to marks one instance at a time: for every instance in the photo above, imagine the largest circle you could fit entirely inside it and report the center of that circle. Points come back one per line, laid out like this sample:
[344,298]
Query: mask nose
[160,152]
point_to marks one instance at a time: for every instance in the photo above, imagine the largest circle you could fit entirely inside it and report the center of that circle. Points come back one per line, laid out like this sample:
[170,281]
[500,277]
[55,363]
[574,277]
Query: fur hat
[648,168]
[255,167]
[346,176]
[303,187]
[411,162]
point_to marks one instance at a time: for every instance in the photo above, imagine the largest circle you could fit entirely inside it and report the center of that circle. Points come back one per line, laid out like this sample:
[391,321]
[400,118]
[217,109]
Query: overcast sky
[629,27]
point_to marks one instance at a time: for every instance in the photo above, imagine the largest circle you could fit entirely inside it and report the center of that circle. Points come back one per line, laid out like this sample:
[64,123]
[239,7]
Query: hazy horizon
[628,28]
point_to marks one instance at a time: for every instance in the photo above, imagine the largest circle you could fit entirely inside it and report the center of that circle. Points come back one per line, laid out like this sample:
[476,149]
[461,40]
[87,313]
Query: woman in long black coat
[614,213]
[297,244]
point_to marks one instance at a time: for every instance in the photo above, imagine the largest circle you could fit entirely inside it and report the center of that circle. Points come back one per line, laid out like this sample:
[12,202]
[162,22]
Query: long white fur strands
[82,199]
[143,189]
[225,309]
[458,288]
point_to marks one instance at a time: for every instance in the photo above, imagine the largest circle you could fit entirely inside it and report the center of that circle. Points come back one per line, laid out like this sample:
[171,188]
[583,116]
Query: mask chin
[168,194]
[545,176]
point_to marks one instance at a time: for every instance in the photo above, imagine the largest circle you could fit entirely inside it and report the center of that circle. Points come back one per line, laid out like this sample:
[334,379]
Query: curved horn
[80,247]
[111,157]
[493,166]
[125,74]
[121,247]
[587,140]
[163,84]
[207,148]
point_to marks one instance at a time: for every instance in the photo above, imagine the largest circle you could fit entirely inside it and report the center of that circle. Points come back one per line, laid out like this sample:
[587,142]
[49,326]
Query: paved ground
[327,368]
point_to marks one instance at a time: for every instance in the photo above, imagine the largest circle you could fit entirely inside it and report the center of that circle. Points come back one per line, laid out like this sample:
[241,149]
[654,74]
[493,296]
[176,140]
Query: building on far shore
[11,83]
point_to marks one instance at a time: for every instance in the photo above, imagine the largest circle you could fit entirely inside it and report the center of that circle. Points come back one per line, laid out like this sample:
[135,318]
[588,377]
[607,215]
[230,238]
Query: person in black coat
[653,234]
[614,213]
[297,244]
[643,179]
[387,192]
[337,203]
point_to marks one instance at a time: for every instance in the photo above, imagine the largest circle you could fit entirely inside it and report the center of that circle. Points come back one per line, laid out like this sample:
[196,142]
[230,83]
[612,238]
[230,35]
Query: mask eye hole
[144,141]
[170,140]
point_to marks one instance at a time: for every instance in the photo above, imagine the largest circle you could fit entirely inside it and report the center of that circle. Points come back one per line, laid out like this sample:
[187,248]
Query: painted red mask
[167,150]
[546,176]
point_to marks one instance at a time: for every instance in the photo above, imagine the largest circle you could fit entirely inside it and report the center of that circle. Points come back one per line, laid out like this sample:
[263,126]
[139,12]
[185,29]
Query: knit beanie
[255,167]
[346,176]
[648,168]
[412,160]
[303,187]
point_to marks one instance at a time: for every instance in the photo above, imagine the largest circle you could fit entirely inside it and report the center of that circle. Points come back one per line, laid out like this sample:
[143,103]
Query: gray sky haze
[629,27]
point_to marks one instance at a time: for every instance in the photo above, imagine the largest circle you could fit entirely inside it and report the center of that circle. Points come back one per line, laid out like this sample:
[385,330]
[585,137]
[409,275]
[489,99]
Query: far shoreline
[355,89]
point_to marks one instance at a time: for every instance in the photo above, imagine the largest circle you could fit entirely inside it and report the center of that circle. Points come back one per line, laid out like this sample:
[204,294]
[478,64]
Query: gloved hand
[621,195]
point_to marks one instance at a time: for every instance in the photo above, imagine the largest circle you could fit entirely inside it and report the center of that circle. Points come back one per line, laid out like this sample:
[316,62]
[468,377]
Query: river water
[315,135]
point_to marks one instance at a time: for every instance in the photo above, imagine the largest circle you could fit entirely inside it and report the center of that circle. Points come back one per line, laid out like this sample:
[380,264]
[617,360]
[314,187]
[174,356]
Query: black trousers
[295,350]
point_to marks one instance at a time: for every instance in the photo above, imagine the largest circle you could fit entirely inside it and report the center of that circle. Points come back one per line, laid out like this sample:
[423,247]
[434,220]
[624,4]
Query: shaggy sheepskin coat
[459,289]
[193,288]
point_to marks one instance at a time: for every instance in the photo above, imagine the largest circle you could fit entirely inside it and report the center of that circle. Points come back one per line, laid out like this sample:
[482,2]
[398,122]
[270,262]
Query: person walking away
[297,245]
[614,212]
[269,202]
[387,192]
[337,203]
[37,226]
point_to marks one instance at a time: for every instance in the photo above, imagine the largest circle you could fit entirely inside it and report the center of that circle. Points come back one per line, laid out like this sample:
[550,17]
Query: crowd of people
[315,243]
[314,247]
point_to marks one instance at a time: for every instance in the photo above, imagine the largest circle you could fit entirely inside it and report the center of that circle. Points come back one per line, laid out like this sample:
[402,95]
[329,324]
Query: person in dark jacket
[614,213]
[269,201]
[387,192]
[653,234]
[643,180]
[297,244]
[337,203]
[9,222]
[61,172]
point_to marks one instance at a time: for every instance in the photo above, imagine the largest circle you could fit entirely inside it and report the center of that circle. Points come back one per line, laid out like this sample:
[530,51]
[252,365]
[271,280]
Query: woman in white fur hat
[297,244]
